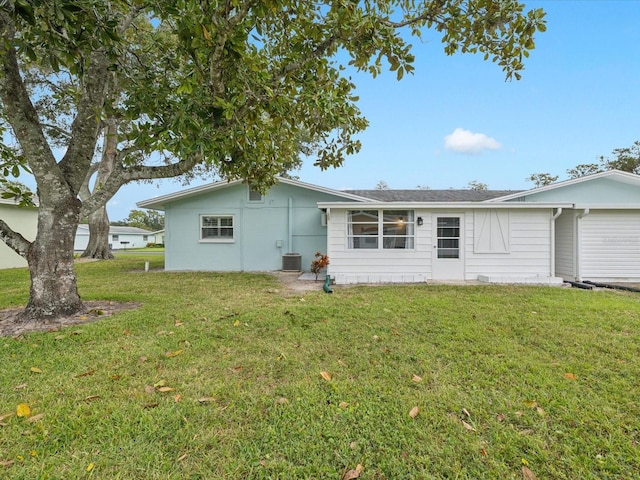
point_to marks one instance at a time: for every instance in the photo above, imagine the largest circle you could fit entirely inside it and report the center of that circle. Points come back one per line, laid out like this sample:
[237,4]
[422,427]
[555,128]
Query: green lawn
[218,376]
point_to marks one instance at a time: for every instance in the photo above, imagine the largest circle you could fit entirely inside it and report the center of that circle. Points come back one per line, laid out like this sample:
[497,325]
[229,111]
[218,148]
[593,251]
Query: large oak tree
[184,86]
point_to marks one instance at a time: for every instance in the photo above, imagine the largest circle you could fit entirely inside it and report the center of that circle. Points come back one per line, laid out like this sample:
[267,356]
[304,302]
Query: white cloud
[464,141]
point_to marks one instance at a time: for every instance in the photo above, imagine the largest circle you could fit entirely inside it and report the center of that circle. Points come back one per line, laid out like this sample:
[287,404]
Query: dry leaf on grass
[182,457]
[166,389]
[351,474]
[8,463]
[35,370]
[416,378]
[527,473]
[414,412]
[36,418]
[206,399]
[326,375]
[173,354]
[21,386]
[23,410]
[468,427]
[570,376]
[86,374]
[91,398]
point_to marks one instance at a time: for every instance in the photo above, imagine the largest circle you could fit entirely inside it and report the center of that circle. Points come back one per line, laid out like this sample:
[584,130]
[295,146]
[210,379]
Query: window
[216,228]
[145,238]
[254,195]
[114,238]
[387,229]
[448,237]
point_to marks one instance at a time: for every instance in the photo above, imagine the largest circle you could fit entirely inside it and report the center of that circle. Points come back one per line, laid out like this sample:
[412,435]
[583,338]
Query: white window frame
[250,200]
[217,216]
[381,238]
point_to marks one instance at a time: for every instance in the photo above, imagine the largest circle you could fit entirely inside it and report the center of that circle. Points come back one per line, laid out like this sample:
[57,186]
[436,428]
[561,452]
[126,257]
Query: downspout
[552,270]
[290,226]
[584,213]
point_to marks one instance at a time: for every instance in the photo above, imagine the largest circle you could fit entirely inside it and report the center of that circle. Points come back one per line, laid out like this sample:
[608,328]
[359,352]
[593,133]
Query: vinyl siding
[610,246]
[565,245]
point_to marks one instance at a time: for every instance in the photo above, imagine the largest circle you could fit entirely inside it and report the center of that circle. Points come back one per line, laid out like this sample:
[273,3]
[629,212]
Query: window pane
[397,216]
[448,222]
[364,242]
[365,229]
[448,253]
[216,227]
[359,216]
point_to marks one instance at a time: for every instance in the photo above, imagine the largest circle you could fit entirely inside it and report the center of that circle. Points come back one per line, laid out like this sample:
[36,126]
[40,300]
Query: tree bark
[54,289]
[98,246]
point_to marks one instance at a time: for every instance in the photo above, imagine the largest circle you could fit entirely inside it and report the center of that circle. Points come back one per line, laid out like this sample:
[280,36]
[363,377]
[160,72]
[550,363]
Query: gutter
[552,270]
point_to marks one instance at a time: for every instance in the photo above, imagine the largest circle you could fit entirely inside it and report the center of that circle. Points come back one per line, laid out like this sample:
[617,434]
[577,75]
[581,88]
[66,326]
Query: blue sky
[457,120]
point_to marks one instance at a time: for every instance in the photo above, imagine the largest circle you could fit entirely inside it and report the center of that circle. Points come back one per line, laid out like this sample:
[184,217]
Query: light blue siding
[287,220]
[600,190]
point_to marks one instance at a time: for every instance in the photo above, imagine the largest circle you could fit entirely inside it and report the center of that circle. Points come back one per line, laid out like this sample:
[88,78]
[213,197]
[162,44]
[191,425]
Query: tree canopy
[229,87]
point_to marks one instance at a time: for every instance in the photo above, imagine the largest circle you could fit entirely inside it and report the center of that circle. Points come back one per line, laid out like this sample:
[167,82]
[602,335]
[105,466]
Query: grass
[219,376]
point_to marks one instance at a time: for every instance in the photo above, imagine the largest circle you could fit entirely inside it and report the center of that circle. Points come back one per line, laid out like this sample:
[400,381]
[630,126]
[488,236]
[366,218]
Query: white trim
[439,205]
[158,203]
[625,177]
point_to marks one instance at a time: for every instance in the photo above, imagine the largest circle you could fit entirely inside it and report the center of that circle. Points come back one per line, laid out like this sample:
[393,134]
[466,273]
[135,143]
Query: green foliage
[149,219]
[626,159]
[475,185]
[546,376]
[542,179]
[585,169]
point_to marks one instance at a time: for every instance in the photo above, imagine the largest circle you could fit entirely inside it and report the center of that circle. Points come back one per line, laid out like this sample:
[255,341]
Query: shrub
[319,263]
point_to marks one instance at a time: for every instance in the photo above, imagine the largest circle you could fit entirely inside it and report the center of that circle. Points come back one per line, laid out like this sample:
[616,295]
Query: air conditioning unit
[291,262]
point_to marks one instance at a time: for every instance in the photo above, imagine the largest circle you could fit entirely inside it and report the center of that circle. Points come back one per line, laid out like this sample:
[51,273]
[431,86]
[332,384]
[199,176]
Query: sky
[457,120]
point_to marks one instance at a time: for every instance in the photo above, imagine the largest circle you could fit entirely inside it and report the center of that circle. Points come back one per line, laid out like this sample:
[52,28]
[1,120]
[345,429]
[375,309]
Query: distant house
[23,220]
[158,237]
[581,229]
[119,237]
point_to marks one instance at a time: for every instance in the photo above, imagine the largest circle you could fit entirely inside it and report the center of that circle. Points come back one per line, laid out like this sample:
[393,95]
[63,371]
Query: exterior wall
[565,245]
[601,190]
[23,221]
[286,220]
[523,253]
[610,246]
[136,240]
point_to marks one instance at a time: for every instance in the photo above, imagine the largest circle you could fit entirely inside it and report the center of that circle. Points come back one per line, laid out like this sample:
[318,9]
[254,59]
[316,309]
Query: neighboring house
[119,237]
[23,220]
[581,229]
[158,237]
[227,226]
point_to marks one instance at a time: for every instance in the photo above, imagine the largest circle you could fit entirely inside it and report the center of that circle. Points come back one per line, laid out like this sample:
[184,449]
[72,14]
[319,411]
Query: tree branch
[14,240]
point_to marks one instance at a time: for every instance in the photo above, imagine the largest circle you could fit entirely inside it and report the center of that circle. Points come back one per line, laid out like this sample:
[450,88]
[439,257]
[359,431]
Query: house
[227,226]
[581,229]
[119,237]
[158,237]
[23,220]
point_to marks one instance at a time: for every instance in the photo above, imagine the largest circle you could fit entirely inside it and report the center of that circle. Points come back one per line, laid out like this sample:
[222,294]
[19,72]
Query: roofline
[572,181]
[444,205]
[158,203]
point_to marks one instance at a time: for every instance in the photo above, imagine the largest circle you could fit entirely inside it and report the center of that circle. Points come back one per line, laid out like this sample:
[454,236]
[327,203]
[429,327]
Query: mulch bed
[93,311]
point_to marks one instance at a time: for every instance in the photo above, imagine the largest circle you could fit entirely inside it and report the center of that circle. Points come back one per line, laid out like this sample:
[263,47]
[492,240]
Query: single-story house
[158,237]
[581,229]
[23,220]
[119,237]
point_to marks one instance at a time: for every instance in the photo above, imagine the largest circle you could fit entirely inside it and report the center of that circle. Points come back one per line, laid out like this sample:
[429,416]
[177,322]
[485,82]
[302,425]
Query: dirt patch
[93,311]
[291,282]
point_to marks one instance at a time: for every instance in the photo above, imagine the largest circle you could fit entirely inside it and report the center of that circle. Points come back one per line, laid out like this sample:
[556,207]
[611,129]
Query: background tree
[475,185]
[625,159]
[541,179]
[151,220]
[221,87]
[585,169]
[382,185]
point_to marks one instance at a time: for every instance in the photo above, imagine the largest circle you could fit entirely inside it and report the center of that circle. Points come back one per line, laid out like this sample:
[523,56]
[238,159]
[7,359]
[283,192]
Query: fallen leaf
[182,457]
[416,378]
[59,337]
[149,389]
[150,405]
[23,410]
[36,418]
[35,370]
[414,412]
[82,317]
[570,376]
[527,473]
[91,398]
[8,463]
[531,404]
[353,445]
[5,416]
[540,411]
[90,467]
[178,323]
[466,412]
[351,474]
[173,354]
[166,389]
[467,426]
[206,399]
[20,387]
[177,398]
[500,417]
[86,374]
[160,383]
[518,414]
[343,404]
[282,401]
[116,377]
[142,359]
[483,452]
[340,362]
[236,323]
[326,375]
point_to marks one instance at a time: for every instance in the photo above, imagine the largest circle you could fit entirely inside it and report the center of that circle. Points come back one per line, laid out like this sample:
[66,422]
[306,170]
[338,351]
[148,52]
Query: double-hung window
[381,229]
[216,228]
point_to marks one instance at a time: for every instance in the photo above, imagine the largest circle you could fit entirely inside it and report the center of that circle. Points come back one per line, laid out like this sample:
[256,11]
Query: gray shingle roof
[449,195]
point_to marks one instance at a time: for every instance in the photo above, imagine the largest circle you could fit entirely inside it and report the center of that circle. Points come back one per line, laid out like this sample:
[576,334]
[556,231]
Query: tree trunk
[54,289]
[98,246]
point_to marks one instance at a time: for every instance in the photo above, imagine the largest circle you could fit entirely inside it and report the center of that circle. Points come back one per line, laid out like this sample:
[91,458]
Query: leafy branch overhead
[236,89]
